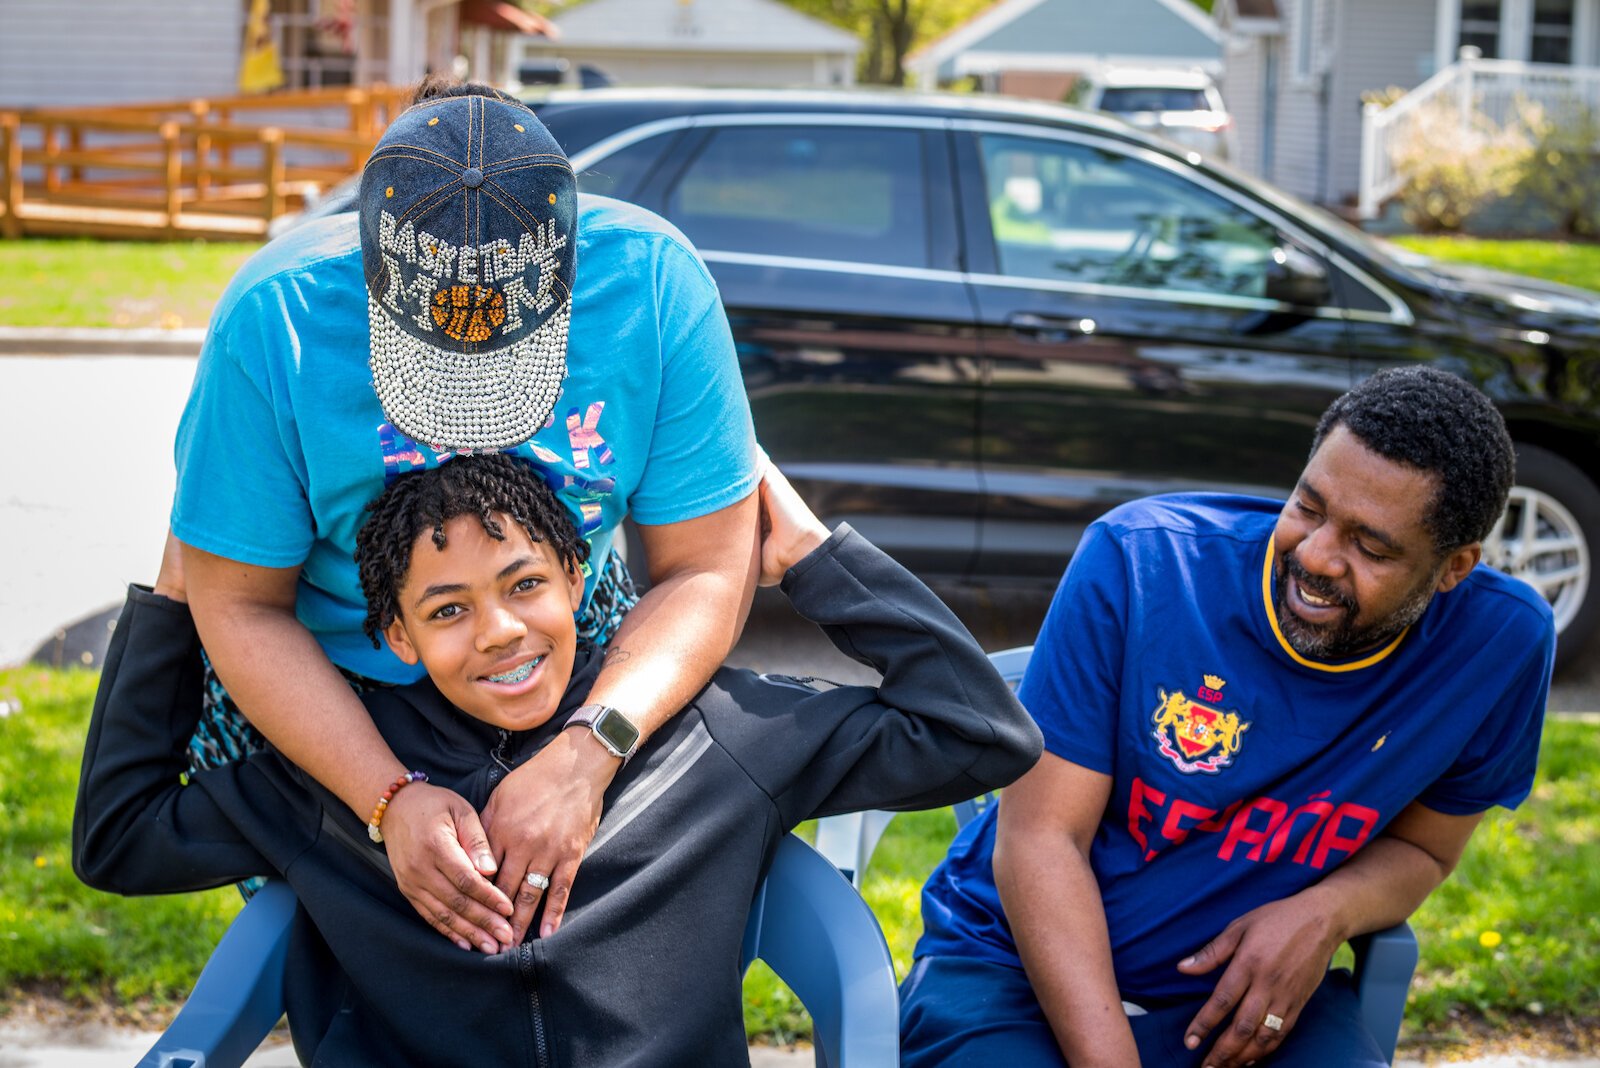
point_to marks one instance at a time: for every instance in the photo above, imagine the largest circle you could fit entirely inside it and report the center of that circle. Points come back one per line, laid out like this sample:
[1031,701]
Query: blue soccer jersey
[1242,771]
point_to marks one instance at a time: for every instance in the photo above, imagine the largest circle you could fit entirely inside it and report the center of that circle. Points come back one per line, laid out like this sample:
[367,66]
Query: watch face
[615,730]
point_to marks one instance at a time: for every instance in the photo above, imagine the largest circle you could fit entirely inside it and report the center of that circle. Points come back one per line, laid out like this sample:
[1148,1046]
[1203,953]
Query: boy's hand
[441,859]
[789,530]
[541,820]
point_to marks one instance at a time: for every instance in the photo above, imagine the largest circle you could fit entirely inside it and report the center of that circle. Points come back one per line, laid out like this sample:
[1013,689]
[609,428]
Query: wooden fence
[219,168]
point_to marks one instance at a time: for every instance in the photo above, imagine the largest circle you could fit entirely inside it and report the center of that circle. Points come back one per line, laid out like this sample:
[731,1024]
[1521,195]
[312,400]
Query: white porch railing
[1477,90]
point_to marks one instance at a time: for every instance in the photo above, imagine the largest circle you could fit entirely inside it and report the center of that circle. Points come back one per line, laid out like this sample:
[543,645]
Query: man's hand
[789,530]
[441,858]
[541,820]
[1276,956]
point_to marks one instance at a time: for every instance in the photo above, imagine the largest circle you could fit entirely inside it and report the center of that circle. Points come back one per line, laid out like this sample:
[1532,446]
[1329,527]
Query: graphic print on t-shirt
[583,493]
[1193,733]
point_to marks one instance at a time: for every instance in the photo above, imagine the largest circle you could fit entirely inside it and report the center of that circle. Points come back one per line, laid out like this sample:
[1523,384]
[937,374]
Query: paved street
[83,505]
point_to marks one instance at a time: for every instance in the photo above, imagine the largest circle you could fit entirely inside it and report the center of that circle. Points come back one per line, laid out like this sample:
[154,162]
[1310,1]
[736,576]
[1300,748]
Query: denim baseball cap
[468,212]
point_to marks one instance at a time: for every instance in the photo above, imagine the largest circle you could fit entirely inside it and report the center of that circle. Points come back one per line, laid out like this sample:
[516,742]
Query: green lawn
[1514,935]
[1559,261]
[114,283]
[150,284]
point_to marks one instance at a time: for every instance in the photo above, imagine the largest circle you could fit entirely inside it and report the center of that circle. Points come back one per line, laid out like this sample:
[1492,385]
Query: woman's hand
[541,820]
[441,860]
[789,530]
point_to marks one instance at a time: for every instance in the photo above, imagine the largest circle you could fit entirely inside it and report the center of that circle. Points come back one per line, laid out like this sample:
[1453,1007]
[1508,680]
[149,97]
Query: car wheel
[1547,538]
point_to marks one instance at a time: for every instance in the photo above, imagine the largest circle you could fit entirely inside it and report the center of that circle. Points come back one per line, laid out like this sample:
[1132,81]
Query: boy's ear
[395,634]
[575,585]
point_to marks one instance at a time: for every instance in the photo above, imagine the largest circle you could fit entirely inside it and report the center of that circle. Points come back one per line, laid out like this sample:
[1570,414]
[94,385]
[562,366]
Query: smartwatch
[616,733]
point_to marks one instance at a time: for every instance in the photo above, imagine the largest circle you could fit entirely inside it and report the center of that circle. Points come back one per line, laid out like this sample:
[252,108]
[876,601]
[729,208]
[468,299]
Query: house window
[319,41]
[1480,26]
[1304,40]
[1552,32]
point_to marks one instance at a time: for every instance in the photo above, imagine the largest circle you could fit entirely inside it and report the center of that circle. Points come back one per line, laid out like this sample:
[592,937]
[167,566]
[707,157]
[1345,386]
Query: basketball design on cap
[469,313]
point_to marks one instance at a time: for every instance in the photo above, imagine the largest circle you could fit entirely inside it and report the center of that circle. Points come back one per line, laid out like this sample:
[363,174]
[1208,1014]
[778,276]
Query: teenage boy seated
[474,569]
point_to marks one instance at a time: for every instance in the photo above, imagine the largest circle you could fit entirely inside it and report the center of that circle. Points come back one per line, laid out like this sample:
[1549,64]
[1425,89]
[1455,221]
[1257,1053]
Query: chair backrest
[239,995]
[849,840]
[806,922]
[812,928]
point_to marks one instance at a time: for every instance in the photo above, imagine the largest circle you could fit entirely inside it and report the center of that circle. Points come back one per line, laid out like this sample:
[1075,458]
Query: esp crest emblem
[1193,734]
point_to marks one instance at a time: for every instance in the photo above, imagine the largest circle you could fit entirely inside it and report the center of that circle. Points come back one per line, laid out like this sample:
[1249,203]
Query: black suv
[970,326]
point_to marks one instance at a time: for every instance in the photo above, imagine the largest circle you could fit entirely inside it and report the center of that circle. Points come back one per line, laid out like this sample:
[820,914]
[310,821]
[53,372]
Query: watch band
[610,727]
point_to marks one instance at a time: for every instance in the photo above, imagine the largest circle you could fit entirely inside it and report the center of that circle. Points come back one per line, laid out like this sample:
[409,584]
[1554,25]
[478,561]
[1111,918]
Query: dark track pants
[957,1012]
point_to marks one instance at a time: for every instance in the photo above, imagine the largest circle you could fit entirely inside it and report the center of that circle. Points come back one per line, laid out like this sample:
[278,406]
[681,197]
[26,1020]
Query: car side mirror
[1297,278]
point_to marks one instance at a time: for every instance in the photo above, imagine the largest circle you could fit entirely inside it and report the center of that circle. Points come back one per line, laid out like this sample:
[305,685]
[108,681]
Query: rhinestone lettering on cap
[469,257]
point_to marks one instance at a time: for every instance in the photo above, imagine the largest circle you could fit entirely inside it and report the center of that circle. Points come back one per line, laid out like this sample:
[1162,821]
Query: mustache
[1317,586]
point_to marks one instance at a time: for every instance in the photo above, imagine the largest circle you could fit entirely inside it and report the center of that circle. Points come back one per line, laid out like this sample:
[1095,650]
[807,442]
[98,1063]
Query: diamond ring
[542,882]
[1273,1022]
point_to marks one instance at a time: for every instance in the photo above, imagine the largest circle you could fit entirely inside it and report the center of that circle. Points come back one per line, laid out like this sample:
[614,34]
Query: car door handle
[1049,328]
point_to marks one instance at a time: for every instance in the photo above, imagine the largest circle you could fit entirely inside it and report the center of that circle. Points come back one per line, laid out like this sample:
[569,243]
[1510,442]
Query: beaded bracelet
[383,802]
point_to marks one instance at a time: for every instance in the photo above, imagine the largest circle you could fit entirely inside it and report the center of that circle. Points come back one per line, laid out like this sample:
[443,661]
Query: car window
[622,172]
[1153,98]
[1074,213]
[852,194]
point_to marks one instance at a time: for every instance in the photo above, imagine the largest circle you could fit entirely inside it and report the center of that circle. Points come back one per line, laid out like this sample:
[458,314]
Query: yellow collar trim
[1272,620]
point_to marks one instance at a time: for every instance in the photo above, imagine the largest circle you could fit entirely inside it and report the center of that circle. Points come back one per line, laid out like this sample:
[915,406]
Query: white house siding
[714,69]
[1243,92]
[60,52]
[1381,43]
[1299,149]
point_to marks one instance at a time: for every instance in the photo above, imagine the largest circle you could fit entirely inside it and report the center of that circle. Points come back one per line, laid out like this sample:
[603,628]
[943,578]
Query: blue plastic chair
[1385,960]
[807,923]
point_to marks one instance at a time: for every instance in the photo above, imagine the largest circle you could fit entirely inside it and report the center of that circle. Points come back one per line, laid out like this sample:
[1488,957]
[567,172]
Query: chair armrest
[1385,962]
[239,996]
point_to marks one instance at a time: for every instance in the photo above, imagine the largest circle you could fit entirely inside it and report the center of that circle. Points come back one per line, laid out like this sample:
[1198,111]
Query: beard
[1342,637]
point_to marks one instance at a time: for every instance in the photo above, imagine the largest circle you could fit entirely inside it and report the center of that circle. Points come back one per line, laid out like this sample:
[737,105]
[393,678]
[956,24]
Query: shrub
[1452,165]
[1563,172]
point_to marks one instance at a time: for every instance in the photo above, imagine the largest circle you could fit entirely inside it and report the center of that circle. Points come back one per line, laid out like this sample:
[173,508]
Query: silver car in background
[1181,105]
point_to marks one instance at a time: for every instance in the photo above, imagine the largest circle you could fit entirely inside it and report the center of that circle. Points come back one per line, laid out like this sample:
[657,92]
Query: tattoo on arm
[616,655]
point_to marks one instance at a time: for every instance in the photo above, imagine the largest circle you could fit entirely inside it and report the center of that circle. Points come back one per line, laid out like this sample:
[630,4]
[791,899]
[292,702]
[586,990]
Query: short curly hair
[1435,422]
[484,485]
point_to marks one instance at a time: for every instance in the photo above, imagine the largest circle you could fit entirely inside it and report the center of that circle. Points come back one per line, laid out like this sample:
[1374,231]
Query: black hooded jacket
[645,968]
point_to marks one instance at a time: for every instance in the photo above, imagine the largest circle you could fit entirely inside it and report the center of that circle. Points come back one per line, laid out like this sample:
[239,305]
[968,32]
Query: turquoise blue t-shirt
[1242,772]
[283,442]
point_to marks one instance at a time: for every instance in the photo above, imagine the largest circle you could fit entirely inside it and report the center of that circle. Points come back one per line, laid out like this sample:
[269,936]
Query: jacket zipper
[498,755]
[541,1050]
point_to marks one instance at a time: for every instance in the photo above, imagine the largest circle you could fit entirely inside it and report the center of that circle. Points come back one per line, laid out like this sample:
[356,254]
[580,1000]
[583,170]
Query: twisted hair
[483,485]
[1432,421]
[439,86]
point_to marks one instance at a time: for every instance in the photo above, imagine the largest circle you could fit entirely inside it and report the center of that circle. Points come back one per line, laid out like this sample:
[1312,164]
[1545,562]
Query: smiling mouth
[1303,581]
[516,674]
[1312,599]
